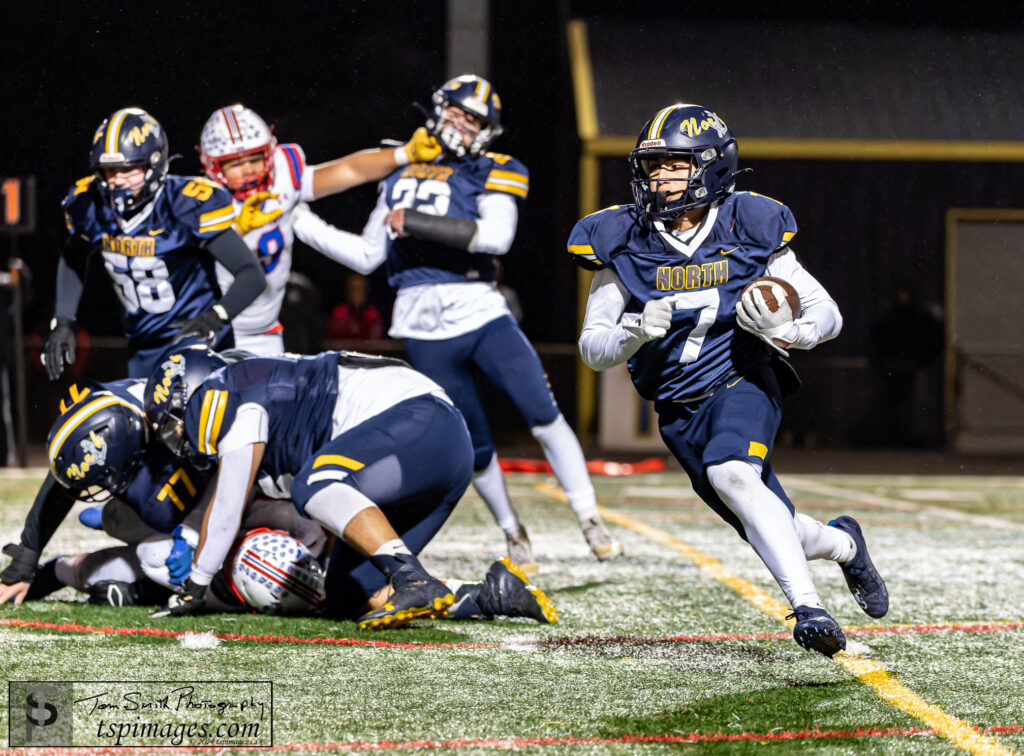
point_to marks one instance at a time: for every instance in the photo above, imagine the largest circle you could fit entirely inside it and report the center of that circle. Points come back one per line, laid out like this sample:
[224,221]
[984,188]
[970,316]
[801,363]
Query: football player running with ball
[439,226]
[270,183]
[669,298]
[159,236]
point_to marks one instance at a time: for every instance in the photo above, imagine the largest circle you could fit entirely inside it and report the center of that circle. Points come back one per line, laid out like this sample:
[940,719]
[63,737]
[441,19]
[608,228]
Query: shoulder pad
[506,174]
[294,160]
[764,219]
[211,410]
[76,202]
[205,206]
[587,240]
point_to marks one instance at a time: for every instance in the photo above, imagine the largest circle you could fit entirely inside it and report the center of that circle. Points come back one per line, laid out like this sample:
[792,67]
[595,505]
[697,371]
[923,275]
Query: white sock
[563,452]
[769,528]
[821,541]
[85,570]
[490,484]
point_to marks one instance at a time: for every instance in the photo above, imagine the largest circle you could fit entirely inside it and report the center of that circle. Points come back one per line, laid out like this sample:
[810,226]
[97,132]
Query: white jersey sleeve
[496,226]
[819,319]
[604,341]
[341,246]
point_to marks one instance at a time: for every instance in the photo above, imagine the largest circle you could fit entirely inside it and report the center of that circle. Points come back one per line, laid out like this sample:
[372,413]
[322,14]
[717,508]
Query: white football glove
[655,320]
[753,315]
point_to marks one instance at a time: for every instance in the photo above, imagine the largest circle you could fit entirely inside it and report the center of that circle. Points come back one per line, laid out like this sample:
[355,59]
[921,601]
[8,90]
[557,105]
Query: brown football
[764,283]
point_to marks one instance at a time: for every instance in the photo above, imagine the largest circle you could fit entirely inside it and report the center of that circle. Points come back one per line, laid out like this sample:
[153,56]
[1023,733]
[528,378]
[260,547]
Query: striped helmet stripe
[659,120]
[81,415]
[114,129]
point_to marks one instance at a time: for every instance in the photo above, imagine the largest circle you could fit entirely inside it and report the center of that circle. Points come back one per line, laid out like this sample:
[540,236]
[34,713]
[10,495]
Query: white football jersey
[272,244]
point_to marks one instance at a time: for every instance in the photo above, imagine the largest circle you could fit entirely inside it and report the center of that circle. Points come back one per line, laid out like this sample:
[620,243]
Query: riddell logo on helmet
[652,143]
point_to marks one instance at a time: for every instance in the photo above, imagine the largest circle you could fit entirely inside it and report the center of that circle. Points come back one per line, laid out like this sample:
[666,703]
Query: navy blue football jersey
[164,488]
[704,346]
[160,273]
[449,188]
[298,393]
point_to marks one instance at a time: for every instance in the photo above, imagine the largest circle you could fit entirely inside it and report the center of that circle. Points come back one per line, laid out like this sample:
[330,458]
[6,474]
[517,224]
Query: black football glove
[191,599]
[22,567]
[205,326]
[60,347]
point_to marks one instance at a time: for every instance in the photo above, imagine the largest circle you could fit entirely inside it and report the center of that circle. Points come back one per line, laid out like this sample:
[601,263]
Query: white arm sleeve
[605,339]
[820,319]
[341,246]
[496,226]
[231,492]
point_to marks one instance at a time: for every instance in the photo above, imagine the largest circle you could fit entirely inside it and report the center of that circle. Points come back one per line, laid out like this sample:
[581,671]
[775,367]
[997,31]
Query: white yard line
[823,489]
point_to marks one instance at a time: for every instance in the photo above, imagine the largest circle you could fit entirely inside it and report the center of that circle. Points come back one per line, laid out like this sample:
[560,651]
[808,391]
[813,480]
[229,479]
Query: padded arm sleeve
[604,340]
[231,251]
[49,509]
[459,233]
[69,283]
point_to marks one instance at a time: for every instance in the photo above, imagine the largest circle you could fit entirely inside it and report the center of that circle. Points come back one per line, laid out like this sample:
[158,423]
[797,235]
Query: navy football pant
[738,421]
[414,461]
[500,351]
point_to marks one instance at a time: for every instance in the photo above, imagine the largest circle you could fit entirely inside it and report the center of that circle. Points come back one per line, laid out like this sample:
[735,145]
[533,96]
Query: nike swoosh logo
[157,232]
[730,385]
[727,251]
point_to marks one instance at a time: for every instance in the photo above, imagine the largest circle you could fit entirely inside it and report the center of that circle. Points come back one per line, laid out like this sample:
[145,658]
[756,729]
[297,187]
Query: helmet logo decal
[651,143]
[173,367]
[692,128]
[140,135]
[95,454]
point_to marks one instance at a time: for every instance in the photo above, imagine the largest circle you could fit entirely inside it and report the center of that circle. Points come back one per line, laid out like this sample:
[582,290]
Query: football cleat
[520,552]
[416,594]
[506,592]
[114,593]
[600,540]
[815,630]
[862,578]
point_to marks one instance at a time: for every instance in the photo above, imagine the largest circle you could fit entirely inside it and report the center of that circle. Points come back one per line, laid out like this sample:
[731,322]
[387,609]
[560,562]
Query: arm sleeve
[605,340]
[231,251]
[819,319]
[70,272]
[49,509]
[224,515]
[496,226]
[348,249]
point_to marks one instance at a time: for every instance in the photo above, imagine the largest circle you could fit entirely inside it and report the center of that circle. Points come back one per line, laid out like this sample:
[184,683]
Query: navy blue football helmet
[129,138]
[97,443]
[180,371]
[689,132]
[476,96]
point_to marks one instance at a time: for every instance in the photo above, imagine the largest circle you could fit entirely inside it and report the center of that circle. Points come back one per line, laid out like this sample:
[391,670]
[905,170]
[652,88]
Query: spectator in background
[357,318]
[301,315]
[906,343]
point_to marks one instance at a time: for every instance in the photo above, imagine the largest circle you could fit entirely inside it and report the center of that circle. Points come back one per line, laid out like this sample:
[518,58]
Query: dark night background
[337,77]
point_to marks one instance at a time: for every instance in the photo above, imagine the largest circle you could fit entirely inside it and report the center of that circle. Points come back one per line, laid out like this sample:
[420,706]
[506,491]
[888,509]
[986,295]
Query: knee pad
[734,478]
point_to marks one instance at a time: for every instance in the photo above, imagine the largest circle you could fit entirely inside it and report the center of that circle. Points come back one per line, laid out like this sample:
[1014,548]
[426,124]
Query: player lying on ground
[99,451]
[274,566]
[667,298]
[268,181]
[158,236]
[439,227]
[370,449]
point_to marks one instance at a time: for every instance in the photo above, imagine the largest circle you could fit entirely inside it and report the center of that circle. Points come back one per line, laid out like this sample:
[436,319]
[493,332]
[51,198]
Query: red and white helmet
[272,572]
[235,132]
